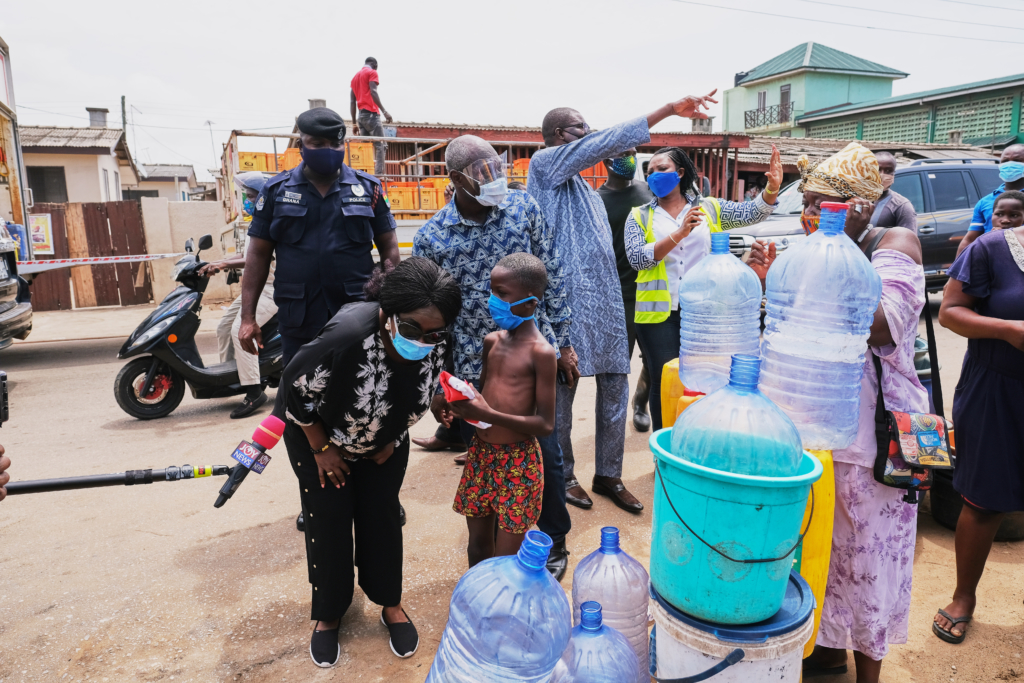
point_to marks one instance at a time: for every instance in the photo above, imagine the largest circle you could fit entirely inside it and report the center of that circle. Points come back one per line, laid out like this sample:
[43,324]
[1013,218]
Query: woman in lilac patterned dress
[867,600]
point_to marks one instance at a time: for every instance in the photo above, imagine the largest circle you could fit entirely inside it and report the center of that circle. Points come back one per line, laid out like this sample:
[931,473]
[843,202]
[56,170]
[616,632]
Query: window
[138,194]
[986,177]
[117,184]
[762,99]
[47,183]
[784,103]
[786,134]
[106,185]
[949,190]
[909,185]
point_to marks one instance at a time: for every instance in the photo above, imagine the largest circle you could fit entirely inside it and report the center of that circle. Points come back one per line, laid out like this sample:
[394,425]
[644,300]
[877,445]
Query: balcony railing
[769,116]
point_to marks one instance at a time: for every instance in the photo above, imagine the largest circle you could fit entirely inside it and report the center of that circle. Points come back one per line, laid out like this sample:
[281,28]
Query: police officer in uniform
[320,220]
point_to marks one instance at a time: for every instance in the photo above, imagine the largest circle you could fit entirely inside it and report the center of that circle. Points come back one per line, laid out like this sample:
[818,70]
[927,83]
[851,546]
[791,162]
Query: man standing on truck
[367,100]
[1011,172]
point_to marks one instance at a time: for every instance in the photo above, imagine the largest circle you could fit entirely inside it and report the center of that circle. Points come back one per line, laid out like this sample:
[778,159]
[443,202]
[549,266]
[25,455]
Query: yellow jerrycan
[814,554]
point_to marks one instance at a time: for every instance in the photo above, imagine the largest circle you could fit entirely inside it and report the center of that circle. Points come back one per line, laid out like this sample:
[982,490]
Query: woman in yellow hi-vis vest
[667,237]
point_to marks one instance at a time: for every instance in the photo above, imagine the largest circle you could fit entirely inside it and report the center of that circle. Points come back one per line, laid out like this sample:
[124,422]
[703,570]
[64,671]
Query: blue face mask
[247,206]
[1009,171]
[663,182]
[323,160]
[408,349]
[502,313]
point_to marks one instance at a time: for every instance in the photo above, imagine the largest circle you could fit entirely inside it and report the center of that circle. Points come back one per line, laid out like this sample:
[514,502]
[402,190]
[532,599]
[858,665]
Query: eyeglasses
[582,126]
[412,331]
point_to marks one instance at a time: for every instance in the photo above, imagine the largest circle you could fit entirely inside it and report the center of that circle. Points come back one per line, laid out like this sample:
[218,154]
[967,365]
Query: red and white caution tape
[29,267]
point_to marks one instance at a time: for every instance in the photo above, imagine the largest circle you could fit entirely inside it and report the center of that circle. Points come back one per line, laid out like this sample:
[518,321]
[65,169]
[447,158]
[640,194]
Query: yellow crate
[360,155]
[252,161]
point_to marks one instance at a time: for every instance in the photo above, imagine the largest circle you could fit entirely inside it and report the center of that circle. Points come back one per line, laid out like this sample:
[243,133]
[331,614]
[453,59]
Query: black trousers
[369,501]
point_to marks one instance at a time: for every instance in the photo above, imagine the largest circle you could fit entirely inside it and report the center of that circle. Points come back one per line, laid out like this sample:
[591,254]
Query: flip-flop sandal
[947,635]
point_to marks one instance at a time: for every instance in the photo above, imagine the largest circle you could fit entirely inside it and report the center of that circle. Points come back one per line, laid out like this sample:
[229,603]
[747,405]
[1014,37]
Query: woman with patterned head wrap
[867,601]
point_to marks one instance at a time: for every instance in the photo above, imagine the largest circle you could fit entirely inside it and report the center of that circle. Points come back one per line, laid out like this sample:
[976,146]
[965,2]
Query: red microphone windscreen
[269,432]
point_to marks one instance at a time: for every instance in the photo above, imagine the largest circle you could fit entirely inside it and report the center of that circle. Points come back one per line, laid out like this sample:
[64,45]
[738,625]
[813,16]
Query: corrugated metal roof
[817,149]
[910,97]
[58,136]
[815,56]
[151,171]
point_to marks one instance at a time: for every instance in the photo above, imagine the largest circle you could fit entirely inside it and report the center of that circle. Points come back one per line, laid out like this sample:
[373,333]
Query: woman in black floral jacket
[349,398]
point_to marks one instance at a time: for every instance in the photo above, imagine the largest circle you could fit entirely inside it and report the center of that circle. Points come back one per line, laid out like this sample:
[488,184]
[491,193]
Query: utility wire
[976,4]
[146,125]
[915,16]
[848,25]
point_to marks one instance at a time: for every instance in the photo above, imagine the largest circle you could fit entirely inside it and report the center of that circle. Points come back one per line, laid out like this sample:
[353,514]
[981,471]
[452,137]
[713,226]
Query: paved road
[153,584]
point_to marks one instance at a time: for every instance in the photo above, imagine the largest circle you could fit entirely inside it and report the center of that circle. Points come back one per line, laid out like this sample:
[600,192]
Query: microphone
[252,456]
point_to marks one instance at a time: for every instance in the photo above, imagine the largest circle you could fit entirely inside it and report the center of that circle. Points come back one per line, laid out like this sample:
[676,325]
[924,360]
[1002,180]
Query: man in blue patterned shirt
[583,238]
[467,238]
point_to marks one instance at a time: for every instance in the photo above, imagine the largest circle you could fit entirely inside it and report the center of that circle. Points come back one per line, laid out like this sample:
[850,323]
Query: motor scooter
[153,383]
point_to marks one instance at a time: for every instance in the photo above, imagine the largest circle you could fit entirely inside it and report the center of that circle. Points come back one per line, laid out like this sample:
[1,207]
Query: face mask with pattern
[809,223]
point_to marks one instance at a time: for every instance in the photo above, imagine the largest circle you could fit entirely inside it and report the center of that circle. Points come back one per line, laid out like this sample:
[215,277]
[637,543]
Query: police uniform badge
[260,202]
[358,190]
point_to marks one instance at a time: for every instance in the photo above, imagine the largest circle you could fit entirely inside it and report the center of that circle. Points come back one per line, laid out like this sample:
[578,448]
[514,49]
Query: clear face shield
[491,174]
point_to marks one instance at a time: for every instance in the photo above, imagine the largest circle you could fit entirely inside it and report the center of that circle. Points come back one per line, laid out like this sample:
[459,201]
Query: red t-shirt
[361,87]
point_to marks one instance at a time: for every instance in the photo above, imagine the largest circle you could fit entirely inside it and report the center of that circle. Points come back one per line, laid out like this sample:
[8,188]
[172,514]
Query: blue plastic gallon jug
[617,581]
[597,653]
[822,295]
[719,315]
[738,430]
[508,620]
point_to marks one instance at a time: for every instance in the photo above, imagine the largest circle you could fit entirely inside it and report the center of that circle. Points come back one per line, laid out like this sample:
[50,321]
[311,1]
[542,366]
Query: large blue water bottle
[719,315]
[620,583]
[597,653]
[822,295]
[738,430]
[508,620]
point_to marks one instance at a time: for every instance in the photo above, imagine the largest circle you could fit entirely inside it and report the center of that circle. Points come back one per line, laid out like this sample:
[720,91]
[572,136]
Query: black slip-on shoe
[324,649]
[558,560]
[401,513]
[404,639]
[248,406]
[300,523]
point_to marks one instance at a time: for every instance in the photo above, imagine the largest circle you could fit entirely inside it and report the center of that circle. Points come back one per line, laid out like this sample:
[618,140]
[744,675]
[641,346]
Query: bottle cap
[719,243]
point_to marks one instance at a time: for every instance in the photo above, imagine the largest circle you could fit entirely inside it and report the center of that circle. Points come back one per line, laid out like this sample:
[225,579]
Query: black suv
[942,191]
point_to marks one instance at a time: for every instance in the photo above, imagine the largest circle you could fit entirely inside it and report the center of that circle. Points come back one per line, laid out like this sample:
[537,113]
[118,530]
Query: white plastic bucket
[683,649]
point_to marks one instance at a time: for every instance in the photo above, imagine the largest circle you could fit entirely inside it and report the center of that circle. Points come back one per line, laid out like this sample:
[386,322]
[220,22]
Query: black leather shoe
[324,648]
[558,560]
[300,523]
[613,488]
[641,420]
[401,513]
[576,495]
[249,406]
[433,443]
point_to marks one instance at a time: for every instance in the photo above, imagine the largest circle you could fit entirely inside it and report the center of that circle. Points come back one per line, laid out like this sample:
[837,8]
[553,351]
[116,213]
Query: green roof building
[770,98]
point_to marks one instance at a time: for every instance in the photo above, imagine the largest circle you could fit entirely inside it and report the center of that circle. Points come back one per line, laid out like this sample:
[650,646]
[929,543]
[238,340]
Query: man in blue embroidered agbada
[597,334]
[483,223]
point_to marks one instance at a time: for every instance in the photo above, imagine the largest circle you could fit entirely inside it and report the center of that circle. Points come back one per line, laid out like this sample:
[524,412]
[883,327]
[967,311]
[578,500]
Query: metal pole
[129,478]
[276,167]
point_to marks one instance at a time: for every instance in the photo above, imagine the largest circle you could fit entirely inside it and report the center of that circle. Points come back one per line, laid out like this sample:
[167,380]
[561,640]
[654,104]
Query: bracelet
[316,451]
[673,239]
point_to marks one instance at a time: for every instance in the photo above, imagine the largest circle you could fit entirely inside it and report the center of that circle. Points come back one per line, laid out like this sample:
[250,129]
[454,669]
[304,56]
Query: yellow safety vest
[653,299]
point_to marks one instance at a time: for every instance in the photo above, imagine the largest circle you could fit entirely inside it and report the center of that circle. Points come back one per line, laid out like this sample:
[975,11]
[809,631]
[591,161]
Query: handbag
[910,445]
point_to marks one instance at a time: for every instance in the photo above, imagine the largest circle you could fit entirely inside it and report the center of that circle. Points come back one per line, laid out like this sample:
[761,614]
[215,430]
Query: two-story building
[771,98]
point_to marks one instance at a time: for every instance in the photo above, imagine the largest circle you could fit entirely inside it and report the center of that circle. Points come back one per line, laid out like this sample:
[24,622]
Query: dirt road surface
[151,583]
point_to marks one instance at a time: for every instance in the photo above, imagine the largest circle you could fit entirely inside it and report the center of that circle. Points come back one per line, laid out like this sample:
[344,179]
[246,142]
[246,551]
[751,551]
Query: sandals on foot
[947,635]
[812,671]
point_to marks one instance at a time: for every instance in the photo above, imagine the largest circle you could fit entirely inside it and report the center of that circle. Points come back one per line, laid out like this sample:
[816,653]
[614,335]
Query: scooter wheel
[164,396]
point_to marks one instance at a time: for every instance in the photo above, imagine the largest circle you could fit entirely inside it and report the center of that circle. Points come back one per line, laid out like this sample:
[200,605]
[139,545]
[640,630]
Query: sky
[254,65]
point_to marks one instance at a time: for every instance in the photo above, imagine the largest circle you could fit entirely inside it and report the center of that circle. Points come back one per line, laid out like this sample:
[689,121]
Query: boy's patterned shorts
[506,480]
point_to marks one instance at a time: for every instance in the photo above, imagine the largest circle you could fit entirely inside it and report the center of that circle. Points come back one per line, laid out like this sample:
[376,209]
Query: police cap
[322,122]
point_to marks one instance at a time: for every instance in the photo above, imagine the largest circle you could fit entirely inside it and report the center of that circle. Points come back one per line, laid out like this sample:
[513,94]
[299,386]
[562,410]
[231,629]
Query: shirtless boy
[503,480]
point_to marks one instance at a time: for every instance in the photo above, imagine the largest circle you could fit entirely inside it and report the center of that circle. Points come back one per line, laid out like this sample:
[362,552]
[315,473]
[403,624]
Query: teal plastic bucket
[742,518]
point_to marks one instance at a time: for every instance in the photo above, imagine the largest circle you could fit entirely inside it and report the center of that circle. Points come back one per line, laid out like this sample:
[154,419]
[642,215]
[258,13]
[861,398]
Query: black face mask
[323,160]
